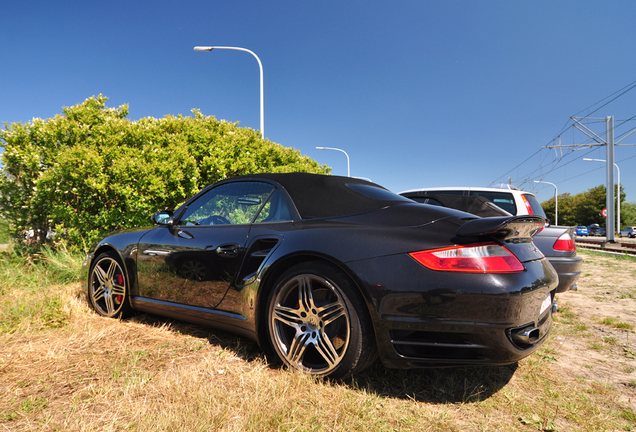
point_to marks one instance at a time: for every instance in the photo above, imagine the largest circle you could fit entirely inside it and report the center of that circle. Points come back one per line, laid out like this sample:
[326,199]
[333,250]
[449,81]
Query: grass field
[64,368]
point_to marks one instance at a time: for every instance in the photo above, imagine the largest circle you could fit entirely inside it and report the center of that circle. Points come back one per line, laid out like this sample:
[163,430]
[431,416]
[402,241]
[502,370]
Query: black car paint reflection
[192,265]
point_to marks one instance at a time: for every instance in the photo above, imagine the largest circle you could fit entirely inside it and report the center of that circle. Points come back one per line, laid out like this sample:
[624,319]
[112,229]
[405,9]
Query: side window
[275,209]
[230,203]
[504,200]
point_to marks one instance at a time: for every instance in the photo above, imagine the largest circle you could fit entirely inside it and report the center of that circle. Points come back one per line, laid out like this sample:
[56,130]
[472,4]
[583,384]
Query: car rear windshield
[536,207]
[505,200]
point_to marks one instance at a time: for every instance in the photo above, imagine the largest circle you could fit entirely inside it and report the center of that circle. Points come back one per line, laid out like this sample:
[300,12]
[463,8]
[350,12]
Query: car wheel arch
[128,263]
[268,284]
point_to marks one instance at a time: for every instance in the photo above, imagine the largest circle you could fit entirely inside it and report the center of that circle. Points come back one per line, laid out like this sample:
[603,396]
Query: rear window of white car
[504,200]
[534,204]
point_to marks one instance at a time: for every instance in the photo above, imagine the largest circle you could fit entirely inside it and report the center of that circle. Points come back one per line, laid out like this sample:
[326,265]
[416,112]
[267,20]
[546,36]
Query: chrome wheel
[310,324]
[107,286]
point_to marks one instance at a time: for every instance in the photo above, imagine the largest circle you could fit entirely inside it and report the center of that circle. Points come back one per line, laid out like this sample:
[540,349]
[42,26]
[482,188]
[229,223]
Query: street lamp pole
[618,208]
[260,65]
[340,150]
[556,200]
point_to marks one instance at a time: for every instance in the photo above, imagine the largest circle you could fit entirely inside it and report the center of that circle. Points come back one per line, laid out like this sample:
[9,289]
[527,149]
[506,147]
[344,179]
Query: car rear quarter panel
[479,308]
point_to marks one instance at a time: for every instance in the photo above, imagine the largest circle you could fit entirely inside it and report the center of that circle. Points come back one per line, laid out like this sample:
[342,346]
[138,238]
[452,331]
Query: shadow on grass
[436,385]
[242,347]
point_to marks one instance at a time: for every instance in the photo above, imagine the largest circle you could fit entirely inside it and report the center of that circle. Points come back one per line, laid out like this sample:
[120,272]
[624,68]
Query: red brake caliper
[120,281]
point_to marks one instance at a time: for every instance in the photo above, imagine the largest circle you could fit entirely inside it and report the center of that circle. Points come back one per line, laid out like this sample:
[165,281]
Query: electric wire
[558,162]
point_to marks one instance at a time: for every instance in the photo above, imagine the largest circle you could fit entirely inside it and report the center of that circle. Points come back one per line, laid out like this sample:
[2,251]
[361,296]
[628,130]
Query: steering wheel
[214,220]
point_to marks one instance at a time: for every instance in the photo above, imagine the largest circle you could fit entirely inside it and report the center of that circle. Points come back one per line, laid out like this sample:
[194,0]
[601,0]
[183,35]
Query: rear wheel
[108,287]
[318,323]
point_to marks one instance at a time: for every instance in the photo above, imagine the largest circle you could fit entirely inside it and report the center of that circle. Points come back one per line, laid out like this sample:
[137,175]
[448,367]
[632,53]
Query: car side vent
[257,253]
[435,346]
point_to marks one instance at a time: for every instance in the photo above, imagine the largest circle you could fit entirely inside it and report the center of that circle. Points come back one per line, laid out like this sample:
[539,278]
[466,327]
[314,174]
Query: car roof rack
[504,186]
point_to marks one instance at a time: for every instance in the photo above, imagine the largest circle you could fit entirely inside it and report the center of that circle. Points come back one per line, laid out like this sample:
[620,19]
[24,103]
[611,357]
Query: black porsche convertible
[328,273]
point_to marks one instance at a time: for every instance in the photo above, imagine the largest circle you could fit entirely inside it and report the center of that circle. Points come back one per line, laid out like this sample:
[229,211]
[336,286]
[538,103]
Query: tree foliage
[586,208]
[91,170]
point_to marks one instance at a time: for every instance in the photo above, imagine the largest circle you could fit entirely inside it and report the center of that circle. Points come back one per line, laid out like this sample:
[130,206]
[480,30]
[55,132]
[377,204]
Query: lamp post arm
[340,150]
[260,66]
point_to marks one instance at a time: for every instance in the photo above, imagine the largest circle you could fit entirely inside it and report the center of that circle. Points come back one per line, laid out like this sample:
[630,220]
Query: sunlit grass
[613,322]
[64,368]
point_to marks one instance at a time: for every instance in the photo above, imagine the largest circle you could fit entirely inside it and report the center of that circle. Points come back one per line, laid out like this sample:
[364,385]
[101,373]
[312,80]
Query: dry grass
[82,372]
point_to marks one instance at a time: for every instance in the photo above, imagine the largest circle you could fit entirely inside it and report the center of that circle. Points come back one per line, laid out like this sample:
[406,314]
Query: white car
[514,201]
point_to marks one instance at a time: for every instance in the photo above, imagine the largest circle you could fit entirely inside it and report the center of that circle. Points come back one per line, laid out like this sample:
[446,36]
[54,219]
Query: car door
[195,260]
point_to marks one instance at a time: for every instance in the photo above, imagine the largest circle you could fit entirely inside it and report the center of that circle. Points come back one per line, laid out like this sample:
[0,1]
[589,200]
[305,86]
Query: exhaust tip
[525,336]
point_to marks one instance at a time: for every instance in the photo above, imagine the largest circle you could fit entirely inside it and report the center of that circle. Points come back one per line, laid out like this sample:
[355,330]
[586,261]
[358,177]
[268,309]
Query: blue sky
[418,93]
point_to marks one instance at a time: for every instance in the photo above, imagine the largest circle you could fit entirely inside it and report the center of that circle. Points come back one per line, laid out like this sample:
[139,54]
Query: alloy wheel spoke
[326,349]
[331,312]
[287,316]
[118,290]
[100,274]
[110,306]
[98,294]
[305,296]
[296,350]
[111,270]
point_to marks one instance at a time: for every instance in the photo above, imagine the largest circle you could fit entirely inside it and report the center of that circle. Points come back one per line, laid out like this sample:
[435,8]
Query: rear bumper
[568,269]
[462,343]
[450,319]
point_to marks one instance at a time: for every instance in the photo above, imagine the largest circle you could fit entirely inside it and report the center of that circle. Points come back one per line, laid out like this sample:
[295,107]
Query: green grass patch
[613,322]
[49,266]
[30,296]
[618,257]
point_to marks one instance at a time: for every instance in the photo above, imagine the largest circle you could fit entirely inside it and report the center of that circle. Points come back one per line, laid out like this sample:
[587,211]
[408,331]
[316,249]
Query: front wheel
[318,322]
[107,286]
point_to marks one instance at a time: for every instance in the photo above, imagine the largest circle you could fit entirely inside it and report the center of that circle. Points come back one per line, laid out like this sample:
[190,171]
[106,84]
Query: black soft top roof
[317,195]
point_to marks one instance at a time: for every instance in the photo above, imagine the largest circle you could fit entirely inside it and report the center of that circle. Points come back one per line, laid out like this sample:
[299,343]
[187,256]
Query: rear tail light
[565,243]
[527,204]
[482,258]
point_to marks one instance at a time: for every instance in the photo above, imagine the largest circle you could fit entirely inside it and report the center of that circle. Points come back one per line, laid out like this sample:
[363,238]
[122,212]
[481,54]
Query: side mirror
[164,217]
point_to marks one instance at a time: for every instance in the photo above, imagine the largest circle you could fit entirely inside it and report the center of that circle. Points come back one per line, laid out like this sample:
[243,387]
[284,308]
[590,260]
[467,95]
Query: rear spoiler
[504,228]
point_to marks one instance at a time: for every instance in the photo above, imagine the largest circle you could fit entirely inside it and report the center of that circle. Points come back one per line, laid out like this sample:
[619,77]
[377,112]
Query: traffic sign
[604,212]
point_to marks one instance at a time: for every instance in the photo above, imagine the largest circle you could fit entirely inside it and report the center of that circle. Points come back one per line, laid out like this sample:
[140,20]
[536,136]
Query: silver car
[628,232]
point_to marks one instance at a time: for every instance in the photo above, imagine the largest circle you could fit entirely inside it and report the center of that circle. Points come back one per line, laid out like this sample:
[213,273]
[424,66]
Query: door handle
[185,234]
[228,250]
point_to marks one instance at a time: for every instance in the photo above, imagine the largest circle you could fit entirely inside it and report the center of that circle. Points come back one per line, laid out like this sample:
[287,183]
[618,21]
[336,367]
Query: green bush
[90,170]
[4,231]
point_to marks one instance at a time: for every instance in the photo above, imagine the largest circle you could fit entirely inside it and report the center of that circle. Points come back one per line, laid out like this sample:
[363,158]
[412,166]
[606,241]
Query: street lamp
[556,200]
[340,150]
[260,65]
[618,208]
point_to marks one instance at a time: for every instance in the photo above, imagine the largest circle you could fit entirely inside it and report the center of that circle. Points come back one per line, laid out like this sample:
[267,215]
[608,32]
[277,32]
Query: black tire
[318,323]
[108,289]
